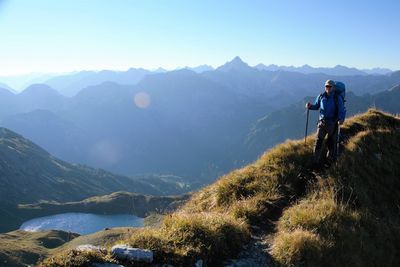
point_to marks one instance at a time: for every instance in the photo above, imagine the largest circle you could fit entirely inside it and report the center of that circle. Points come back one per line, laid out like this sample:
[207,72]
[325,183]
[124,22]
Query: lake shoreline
[81,223]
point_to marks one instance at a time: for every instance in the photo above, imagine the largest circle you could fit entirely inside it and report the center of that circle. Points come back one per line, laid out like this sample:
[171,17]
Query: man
[331,113]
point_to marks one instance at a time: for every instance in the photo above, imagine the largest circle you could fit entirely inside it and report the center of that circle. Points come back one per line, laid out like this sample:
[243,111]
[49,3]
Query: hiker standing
[331,113]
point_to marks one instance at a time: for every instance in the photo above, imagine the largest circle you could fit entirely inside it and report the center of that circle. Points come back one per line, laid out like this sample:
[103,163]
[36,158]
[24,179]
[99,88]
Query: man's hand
[308,105]
[341,122]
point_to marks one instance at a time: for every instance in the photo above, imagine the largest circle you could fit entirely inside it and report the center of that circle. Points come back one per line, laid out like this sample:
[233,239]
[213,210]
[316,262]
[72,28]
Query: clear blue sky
[66,35]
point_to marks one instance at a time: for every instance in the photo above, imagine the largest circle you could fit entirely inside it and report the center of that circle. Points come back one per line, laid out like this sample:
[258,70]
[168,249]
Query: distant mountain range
[201,68]
[189,126]
[70,84]
[338,70]
[20,82]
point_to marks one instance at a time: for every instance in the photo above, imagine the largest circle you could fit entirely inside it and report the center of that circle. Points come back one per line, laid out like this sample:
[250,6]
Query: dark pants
[330,129]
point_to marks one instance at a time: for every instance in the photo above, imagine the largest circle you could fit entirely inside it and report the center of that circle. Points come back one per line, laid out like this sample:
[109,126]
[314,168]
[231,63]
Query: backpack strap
[337,104]
[335,97]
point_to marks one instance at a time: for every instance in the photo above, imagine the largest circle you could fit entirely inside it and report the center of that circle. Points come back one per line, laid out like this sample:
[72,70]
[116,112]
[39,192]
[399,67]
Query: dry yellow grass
[348,217]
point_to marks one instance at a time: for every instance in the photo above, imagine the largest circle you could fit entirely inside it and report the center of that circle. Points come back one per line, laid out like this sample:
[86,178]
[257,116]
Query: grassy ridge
[351,218]
[346,216]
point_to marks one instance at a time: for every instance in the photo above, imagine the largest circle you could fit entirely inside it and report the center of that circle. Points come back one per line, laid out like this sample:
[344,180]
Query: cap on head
[330,82]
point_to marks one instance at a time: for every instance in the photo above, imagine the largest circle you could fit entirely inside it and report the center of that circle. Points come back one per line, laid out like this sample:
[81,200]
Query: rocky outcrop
[91,248]
[124,252]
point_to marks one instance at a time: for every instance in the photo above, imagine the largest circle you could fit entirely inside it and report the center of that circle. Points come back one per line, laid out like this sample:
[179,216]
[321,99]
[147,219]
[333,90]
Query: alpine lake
[81,223]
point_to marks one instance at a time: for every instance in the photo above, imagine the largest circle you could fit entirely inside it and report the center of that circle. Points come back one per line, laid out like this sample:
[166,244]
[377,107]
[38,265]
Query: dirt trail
[256,252]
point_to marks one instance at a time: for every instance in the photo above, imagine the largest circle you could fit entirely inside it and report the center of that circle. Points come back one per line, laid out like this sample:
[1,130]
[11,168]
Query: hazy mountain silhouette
[55,134]
[377,71]
[5,86]
[155,125]
[71,84]
[21,81]
[201,68]
[338,70]
[40,96]
[7,103]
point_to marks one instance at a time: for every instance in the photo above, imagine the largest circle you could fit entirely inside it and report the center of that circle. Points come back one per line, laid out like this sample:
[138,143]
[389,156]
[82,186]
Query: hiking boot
[317,166]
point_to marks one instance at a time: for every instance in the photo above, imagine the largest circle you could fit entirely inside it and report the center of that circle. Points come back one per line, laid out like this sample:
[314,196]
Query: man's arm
[316,104]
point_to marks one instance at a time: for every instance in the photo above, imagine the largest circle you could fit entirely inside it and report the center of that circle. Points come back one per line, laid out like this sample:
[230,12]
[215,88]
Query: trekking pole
[338,140]
[305,135]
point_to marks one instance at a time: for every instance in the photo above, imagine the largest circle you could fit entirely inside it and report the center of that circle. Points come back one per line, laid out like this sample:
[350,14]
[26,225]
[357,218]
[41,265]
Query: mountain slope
[40,96]
[350,217]
[29,174]
[346,215]
[7,103]
[20,248]
[8,88]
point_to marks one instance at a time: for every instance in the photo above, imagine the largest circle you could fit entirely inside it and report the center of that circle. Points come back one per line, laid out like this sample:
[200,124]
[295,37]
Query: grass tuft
[298,248]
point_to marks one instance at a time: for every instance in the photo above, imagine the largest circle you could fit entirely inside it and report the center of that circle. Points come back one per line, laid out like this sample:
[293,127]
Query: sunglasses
[328,86]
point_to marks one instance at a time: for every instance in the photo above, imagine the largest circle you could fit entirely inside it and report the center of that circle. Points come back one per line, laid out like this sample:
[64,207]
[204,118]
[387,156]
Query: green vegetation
[345,216]
[21,248]
[18,248]
[77,258]
[183,239]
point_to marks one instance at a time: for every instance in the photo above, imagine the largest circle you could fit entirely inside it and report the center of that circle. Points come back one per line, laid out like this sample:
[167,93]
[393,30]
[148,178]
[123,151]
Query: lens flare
[142,100]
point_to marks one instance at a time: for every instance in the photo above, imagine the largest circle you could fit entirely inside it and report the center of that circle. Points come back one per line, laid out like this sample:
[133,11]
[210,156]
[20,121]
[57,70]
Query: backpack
[340,91]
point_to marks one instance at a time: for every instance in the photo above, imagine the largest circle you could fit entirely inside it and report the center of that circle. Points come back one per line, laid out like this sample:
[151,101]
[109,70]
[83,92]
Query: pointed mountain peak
[235,64]
[237,59]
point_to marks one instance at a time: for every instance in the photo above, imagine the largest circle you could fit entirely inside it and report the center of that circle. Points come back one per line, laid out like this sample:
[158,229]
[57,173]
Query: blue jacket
[327,107]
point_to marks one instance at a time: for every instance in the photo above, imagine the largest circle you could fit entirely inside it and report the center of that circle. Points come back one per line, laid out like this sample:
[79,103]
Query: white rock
[124,252]
[91,248]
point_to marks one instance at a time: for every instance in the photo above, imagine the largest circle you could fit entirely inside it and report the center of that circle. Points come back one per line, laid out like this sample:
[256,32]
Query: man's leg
[321,132]
[331,142]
